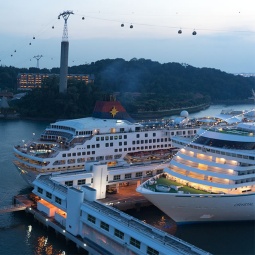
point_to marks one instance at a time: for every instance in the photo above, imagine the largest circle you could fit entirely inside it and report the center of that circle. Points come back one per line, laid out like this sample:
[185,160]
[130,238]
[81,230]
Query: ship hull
[203,208]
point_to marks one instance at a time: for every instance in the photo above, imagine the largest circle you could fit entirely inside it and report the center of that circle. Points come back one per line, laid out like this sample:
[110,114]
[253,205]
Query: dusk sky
[225,29]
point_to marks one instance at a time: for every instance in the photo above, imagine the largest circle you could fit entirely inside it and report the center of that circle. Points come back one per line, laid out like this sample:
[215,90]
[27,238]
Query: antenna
[38,58]
[65,16]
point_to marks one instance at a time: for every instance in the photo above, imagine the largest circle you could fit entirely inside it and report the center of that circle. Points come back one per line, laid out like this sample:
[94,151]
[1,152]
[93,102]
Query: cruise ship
[110,136]
[210,178]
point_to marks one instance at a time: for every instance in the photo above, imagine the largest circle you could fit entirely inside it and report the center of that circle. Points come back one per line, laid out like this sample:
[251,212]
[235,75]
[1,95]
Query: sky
[225,29]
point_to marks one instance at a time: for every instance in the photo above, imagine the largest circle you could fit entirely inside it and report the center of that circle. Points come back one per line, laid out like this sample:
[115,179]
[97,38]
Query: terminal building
[71,201]
[28,81]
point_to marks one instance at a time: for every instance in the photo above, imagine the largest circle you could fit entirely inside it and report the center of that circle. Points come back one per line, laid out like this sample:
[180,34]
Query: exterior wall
[74,200]
[50,211]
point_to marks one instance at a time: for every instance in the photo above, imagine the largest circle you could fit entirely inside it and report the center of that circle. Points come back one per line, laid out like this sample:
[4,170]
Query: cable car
[131,26]
[15,51]
[83,18]
[179,31]
[52,27]
[122,25]
[194,32]
[30,43]
[11,55]
[33,37]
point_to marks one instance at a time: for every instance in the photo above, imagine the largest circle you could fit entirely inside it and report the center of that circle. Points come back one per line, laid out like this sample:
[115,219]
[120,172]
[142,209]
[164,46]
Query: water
[21,235]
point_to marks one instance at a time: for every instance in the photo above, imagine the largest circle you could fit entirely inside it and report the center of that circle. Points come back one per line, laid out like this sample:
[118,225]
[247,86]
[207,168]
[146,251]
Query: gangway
[13,208]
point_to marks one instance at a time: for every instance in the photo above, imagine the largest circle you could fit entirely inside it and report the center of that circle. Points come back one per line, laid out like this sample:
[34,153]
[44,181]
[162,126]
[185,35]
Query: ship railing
[209,168]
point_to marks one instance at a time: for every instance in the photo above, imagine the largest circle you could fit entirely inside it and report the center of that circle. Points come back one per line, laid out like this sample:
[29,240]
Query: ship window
[97,145]
[146,135]
[93,152]
[172,133]
[154,134]
[125,149]
[120,136]
[122,129]
[118,233]
[107,138]
[125,136]
[64,155]
[74,154]
[137,135]
[115,137]
[97,139]
[68,154]
[120,150]
[111,137]
[102,138]
[116,177]
[138,142]
[120,143]
[133,142]
[160,171]
[107,145]
[88,146]
[151,251]
[104,226]
[127,176]
[135,242]
[83,153]
[93,146]
[125,143]
[115,150]
[111,144]
[78,154]
[139,174]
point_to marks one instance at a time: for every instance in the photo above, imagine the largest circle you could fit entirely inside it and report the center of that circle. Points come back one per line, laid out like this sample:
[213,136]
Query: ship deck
[162,184]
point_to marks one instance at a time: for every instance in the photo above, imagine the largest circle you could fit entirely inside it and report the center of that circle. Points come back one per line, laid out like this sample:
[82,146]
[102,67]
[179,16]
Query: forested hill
[141,85]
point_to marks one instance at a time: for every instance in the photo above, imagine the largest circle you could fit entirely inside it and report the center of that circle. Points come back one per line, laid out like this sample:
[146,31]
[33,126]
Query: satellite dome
[184,114]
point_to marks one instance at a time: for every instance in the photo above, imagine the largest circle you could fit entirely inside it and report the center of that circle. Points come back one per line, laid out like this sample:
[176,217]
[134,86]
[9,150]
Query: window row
[118,233]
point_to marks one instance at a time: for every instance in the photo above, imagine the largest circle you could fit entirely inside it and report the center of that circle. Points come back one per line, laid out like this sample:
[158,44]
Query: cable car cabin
[131,26]
[83,18]
[194,32]
[122,25]
[179,31]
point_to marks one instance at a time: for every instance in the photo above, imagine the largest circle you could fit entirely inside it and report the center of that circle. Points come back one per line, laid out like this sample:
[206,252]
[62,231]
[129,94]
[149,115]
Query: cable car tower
[38,58]
[64,53]
[65,16]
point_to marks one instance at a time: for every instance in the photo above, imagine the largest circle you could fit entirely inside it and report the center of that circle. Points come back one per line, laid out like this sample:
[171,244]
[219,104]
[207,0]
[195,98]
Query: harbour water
[21,235]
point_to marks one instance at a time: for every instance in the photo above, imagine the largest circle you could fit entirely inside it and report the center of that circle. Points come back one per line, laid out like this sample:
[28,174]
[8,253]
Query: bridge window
[135,242]
[119,233]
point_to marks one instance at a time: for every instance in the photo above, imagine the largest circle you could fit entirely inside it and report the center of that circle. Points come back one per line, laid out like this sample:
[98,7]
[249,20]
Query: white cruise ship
[211,177]
[109,136]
